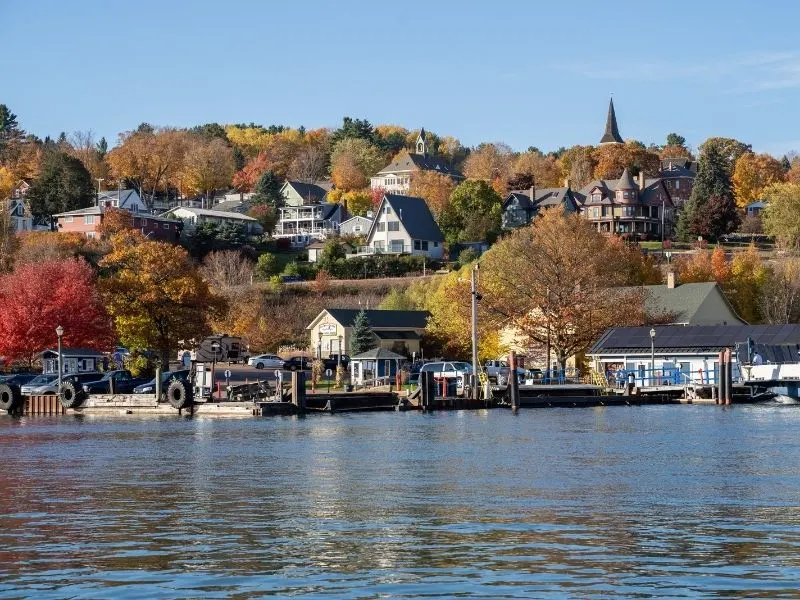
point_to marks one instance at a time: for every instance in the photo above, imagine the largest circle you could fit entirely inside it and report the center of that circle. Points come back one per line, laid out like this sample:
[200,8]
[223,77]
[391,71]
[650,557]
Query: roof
[308,191]
[230,206]
[90,210]
[678,167]
[608,187]
[611,134]
[625,182]
[543,198]
[355,218]
[691,338]
[683,301]
[756,204]
[412,161]
[393,319]
[122,195]
[415,216]
[378,354]
[391,334]
[70,352]
[213,213]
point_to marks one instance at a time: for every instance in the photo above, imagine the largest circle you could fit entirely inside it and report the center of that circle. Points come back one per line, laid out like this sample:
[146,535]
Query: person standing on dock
[757,360]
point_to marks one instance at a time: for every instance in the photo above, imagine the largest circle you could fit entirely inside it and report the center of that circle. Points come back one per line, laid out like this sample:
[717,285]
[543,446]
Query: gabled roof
[608,187]
[123,196]
[611,135]
[692,338]
[355,218]
[678,167]
[543,198]
[221,214]
[684,302]
[90,210]
[414,215]
[411,161]
[378,354]
[71,352]
[309,192]
[230,206]
[385,319]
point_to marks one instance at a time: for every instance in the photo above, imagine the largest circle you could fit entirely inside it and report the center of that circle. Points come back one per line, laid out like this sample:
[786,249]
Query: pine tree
[713,179]
[363,338]
[268,191]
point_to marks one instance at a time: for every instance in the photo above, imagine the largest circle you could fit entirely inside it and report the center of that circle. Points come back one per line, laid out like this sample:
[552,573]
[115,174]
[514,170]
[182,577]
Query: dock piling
[513,386]
[158,384]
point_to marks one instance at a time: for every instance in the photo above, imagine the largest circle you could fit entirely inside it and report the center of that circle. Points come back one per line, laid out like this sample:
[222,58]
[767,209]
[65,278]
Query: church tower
[611,136]
[421,145]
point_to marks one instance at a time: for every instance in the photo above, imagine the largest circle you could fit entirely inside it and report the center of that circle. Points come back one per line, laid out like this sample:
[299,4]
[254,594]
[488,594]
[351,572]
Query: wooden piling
[299,390]
[513,386]
[158,385]
[721,379]
[729,376]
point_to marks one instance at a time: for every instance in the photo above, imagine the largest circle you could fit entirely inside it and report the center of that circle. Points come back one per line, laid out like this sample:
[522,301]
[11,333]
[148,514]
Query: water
[662,501]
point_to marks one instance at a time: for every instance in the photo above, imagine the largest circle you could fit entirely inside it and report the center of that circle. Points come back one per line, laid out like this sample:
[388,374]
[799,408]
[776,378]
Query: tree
[712,179]
[552,282]
[63,184]
[577,165]
[779,299]
[102,148]
[752,173]
[10,133]
[715,218]
[612,159]
[473,213]
[227,270]
[491,163]
[83,147]
[36,298]
[354,129]
[207,166]
[246,179]
[268,191]
[266,216]
[7,183]
[311,163]
[434,187]
[267,266]
[781,217]
[156,296]
[362,339]
[357,202]
[150,159]
[353,162]
[727,149]
[544,170]
[115,220]
[673,139]
[748,274]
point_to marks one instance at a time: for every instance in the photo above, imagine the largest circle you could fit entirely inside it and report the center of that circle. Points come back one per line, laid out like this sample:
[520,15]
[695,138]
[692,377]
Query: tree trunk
[165,354]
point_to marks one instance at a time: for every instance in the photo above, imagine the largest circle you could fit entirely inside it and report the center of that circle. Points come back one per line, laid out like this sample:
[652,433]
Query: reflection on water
[656,501]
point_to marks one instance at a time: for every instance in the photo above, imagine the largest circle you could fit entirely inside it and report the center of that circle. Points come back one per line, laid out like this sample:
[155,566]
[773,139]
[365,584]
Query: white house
[309,222]
[21,219]
[297,193]
[356,225]
[124,199]
[396,177]
[192,217]
[404,225]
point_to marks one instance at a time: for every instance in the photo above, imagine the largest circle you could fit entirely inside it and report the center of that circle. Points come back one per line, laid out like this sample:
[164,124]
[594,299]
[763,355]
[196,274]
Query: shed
[374,364]
[76,360]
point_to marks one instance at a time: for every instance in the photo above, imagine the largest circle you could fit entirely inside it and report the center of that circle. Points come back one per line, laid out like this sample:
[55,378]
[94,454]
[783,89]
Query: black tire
[259,365]
[10,397]
[72,394]
[179,395]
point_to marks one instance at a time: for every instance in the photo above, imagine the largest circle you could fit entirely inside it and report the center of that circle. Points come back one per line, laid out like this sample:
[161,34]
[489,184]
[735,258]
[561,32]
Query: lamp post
[474,326]
[340,352]
[319,345]
[59,333]
[99,181]
[652,353]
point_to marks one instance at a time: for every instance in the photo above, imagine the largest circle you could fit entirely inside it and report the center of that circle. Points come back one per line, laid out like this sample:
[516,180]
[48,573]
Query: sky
[527,73]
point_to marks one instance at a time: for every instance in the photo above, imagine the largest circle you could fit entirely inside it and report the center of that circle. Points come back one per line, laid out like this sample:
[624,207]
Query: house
[20,216]
[521,206]
[309,222]
[690,351]
[124,199]
[356,225]
[641,209]
[397,330]
[678,175]
[88,220]
[20,190]
[192,217]
[297,193]
[404,225]
[690,303]
[754,209]
[377,363]
[396,177]
[75,360]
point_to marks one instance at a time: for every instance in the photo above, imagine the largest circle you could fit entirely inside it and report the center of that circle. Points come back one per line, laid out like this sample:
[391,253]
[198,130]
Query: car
[297,363]
[332,362]
[18,379]
[166,377]
[123,383]
[451,370]
[37,382]
[266,361]
[52,386]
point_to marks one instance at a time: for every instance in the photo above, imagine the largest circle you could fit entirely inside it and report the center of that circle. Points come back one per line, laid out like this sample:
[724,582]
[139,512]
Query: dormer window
[596,197]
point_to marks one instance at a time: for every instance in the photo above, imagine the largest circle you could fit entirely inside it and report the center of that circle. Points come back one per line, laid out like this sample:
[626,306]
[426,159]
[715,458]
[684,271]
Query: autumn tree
[748,275]
[752,173]
[8,237]
[246,179]
[36,298]
[781,217]
[613,159]
[728,150]
[115,220]
[207,166]
[63,184]
[543,171]
[82,145]
[156,296]
[472,214]
[266,215]
[7,182]
[491,163]
[311,163]
[151,159]
[675,148]
[577,165]
[227,270]
[552,282]
[353,162]
[716,217]
[779,299]
[713,179]
[36,246]
[434,187]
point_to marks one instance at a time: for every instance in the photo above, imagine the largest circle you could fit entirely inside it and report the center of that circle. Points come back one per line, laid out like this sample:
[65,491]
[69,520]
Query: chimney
[566,182]
[533,194]
[641,180]
[671,282]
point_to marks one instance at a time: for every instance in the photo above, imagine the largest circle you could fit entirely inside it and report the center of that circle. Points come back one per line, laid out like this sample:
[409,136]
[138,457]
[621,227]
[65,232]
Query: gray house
[521,206]
[404,225]
[690,303]
[355,226]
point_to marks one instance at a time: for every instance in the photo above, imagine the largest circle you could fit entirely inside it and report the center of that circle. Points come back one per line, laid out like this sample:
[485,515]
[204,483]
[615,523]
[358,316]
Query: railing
[365,250]
[667,376]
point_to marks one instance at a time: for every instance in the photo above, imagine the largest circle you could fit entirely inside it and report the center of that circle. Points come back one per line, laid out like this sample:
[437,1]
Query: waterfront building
[75,360]
[690,303]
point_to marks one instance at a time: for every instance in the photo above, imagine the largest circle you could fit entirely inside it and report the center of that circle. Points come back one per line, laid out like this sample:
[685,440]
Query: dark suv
[297,363]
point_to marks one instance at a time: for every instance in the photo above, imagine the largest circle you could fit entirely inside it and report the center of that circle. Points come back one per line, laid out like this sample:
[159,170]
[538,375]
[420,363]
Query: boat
[772,373]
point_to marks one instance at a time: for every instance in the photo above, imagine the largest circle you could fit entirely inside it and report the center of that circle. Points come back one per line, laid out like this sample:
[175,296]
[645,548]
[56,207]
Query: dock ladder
[599,379]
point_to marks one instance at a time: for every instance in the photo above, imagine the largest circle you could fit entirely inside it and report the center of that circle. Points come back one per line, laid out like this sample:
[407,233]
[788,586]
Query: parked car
[166,377]
[459,371]
[266,361]
[37,382]
[333,361]
[297,363]
[18,379]
[497,371]
[124,383]
[52,386]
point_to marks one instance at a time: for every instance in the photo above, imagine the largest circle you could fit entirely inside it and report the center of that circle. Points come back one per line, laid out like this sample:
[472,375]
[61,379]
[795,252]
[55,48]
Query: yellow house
[397,330]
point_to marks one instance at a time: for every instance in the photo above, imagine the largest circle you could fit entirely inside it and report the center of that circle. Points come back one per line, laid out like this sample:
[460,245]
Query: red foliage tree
[246,179]
[36,298]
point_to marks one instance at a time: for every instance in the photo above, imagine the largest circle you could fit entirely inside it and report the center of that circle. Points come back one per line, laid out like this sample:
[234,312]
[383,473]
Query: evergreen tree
[786,164]
[716,217]
[10,133]
[268,191]
[713,179]
[102,147]
[363,338]
[63,184]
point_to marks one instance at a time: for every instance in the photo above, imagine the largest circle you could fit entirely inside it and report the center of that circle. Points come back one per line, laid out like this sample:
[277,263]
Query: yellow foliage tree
[207,166]
[752,174]
[155,295]
[748,274]
[7,182]
[434,187]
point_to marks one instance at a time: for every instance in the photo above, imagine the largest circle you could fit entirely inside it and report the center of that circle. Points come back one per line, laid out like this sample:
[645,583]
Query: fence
[665,376]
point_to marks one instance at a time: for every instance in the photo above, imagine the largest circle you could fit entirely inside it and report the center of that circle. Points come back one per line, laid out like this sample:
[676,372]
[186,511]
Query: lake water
[653,501]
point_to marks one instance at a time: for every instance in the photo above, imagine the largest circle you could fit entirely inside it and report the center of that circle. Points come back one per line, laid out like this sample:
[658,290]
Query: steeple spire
[611,136]
[422,142]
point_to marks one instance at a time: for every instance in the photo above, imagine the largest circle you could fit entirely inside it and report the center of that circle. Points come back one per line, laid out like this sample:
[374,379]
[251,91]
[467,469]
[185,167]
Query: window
[356,228]
[677,184]
[605,211]
[378,244]
[425,244]
[417,245]
[596,212]
[435,244]
[596,197]
[393,226]
[629,211]
[397,245]
[381,227]
[91,235]
[88,220]
[68,219]
[387,210]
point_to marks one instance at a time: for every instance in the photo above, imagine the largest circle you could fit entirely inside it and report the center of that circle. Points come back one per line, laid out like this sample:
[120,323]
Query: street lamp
[340,351]
[652,353]
[60,334]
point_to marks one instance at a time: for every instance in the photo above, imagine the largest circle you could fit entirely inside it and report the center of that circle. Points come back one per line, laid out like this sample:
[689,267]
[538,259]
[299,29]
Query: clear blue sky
[525,73]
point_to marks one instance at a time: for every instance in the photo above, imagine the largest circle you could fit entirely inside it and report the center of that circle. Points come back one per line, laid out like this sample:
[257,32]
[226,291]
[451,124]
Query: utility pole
[475,298]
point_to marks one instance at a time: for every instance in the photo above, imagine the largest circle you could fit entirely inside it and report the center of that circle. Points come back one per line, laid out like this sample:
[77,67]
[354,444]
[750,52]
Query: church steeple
[611,136]
[421,145]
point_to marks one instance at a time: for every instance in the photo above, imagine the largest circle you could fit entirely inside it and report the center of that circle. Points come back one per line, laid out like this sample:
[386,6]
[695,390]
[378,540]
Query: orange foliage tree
[434,187]
[752,173]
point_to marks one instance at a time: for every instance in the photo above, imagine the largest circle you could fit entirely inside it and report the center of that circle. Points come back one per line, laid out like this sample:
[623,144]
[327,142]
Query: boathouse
[397,330]
[690,351]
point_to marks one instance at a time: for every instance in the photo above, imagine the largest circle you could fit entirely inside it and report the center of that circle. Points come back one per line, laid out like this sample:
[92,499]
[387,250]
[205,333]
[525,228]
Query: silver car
[39,381]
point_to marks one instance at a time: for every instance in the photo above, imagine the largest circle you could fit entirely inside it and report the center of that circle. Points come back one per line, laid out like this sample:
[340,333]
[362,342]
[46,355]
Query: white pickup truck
[497,371]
